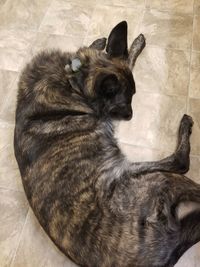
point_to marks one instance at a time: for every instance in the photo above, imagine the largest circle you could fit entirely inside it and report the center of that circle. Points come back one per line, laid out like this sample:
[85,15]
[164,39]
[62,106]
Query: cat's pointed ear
[117,41]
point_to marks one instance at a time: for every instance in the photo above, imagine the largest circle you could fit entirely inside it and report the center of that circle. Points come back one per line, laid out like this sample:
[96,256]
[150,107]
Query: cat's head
[106,77]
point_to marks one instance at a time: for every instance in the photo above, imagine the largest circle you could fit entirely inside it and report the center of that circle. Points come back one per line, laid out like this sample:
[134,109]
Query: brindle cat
[100,209]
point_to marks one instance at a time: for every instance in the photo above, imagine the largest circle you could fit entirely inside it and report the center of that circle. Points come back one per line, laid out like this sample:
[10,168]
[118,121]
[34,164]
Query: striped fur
[100,209]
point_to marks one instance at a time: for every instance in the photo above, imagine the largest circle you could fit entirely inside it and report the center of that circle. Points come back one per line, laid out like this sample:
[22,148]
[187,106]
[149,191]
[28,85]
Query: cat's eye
[110,86]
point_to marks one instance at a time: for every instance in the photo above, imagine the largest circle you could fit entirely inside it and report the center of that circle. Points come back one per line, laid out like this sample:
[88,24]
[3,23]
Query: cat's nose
[129,115]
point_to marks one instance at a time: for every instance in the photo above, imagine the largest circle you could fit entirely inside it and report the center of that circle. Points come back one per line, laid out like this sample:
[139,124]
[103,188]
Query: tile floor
[167,76]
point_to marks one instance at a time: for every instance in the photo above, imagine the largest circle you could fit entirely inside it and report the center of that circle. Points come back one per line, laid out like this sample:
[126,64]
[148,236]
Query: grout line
[192,97]
[88,28]
[11,189]
[196,51]
[20,238]
[4,124]
[159,93]
[38,29]
[11,89]
[189,83]
[169,48]
[136,7]
[4,69]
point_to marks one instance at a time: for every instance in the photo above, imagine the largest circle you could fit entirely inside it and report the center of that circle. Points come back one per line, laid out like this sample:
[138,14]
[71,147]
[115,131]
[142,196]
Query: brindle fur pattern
[100,209]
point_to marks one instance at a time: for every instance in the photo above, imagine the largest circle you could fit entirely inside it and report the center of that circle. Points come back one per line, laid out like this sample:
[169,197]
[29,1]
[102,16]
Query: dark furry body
[98,208]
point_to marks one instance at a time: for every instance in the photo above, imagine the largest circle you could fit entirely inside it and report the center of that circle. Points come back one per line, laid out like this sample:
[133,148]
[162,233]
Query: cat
[100,209]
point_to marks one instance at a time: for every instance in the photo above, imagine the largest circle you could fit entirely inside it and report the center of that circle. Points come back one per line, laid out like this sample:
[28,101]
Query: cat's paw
[186,124]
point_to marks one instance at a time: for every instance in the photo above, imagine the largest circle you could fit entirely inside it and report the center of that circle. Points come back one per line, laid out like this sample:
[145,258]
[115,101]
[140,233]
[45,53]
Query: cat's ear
[106,85]
[117,41]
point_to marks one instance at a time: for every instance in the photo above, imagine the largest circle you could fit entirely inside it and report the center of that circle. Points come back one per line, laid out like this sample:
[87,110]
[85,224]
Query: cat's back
[57,148]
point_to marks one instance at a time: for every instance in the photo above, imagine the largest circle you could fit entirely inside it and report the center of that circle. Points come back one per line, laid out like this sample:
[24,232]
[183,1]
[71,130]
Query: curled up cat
[100,209]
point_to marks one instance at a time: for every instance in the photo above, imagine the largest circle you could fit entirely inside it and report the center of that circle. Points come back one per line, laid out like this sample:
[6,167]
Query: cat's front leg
[179,161]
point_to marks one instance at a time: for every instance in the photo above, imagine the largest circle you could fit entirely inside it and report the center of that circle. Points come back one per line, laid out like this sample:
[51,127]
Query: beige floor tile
[196,34]
[197,7]
[105,18]
[22,14]
[125,3]
[194,111]
[167,29]
[179,6]
[9,172]
[7,110]
[137,153]
[195,75]
[7,134]
[155,121]
[194,172]
[36,249]
[161,78]
[14,45]
[188,259]
[64,17]
[7,78]
[13,210]
[45,41]
[197,254]
[191,258]
[163,71]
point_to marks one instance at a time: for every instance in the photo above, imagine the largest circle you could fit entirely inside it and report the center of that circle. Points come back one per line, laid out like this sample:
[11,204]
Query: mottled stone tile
[191,258]
[195,75]
[167,29]
[194,111]
[197,254]
[14,45]
[9,172]
[7,111]
[105,18]
[194,172]
[64,17]
[124,3]
[175,6]
[36,249]
[196,34]
[13,210]
[7,78]
[197,7]
[138,153]
[155,121]
[22,14]
[159,70]
[45,41]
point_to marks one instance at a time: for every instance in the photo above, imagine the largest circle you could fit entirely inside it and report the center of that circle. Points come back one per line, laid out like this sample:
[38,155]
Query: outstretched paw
[186,124]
